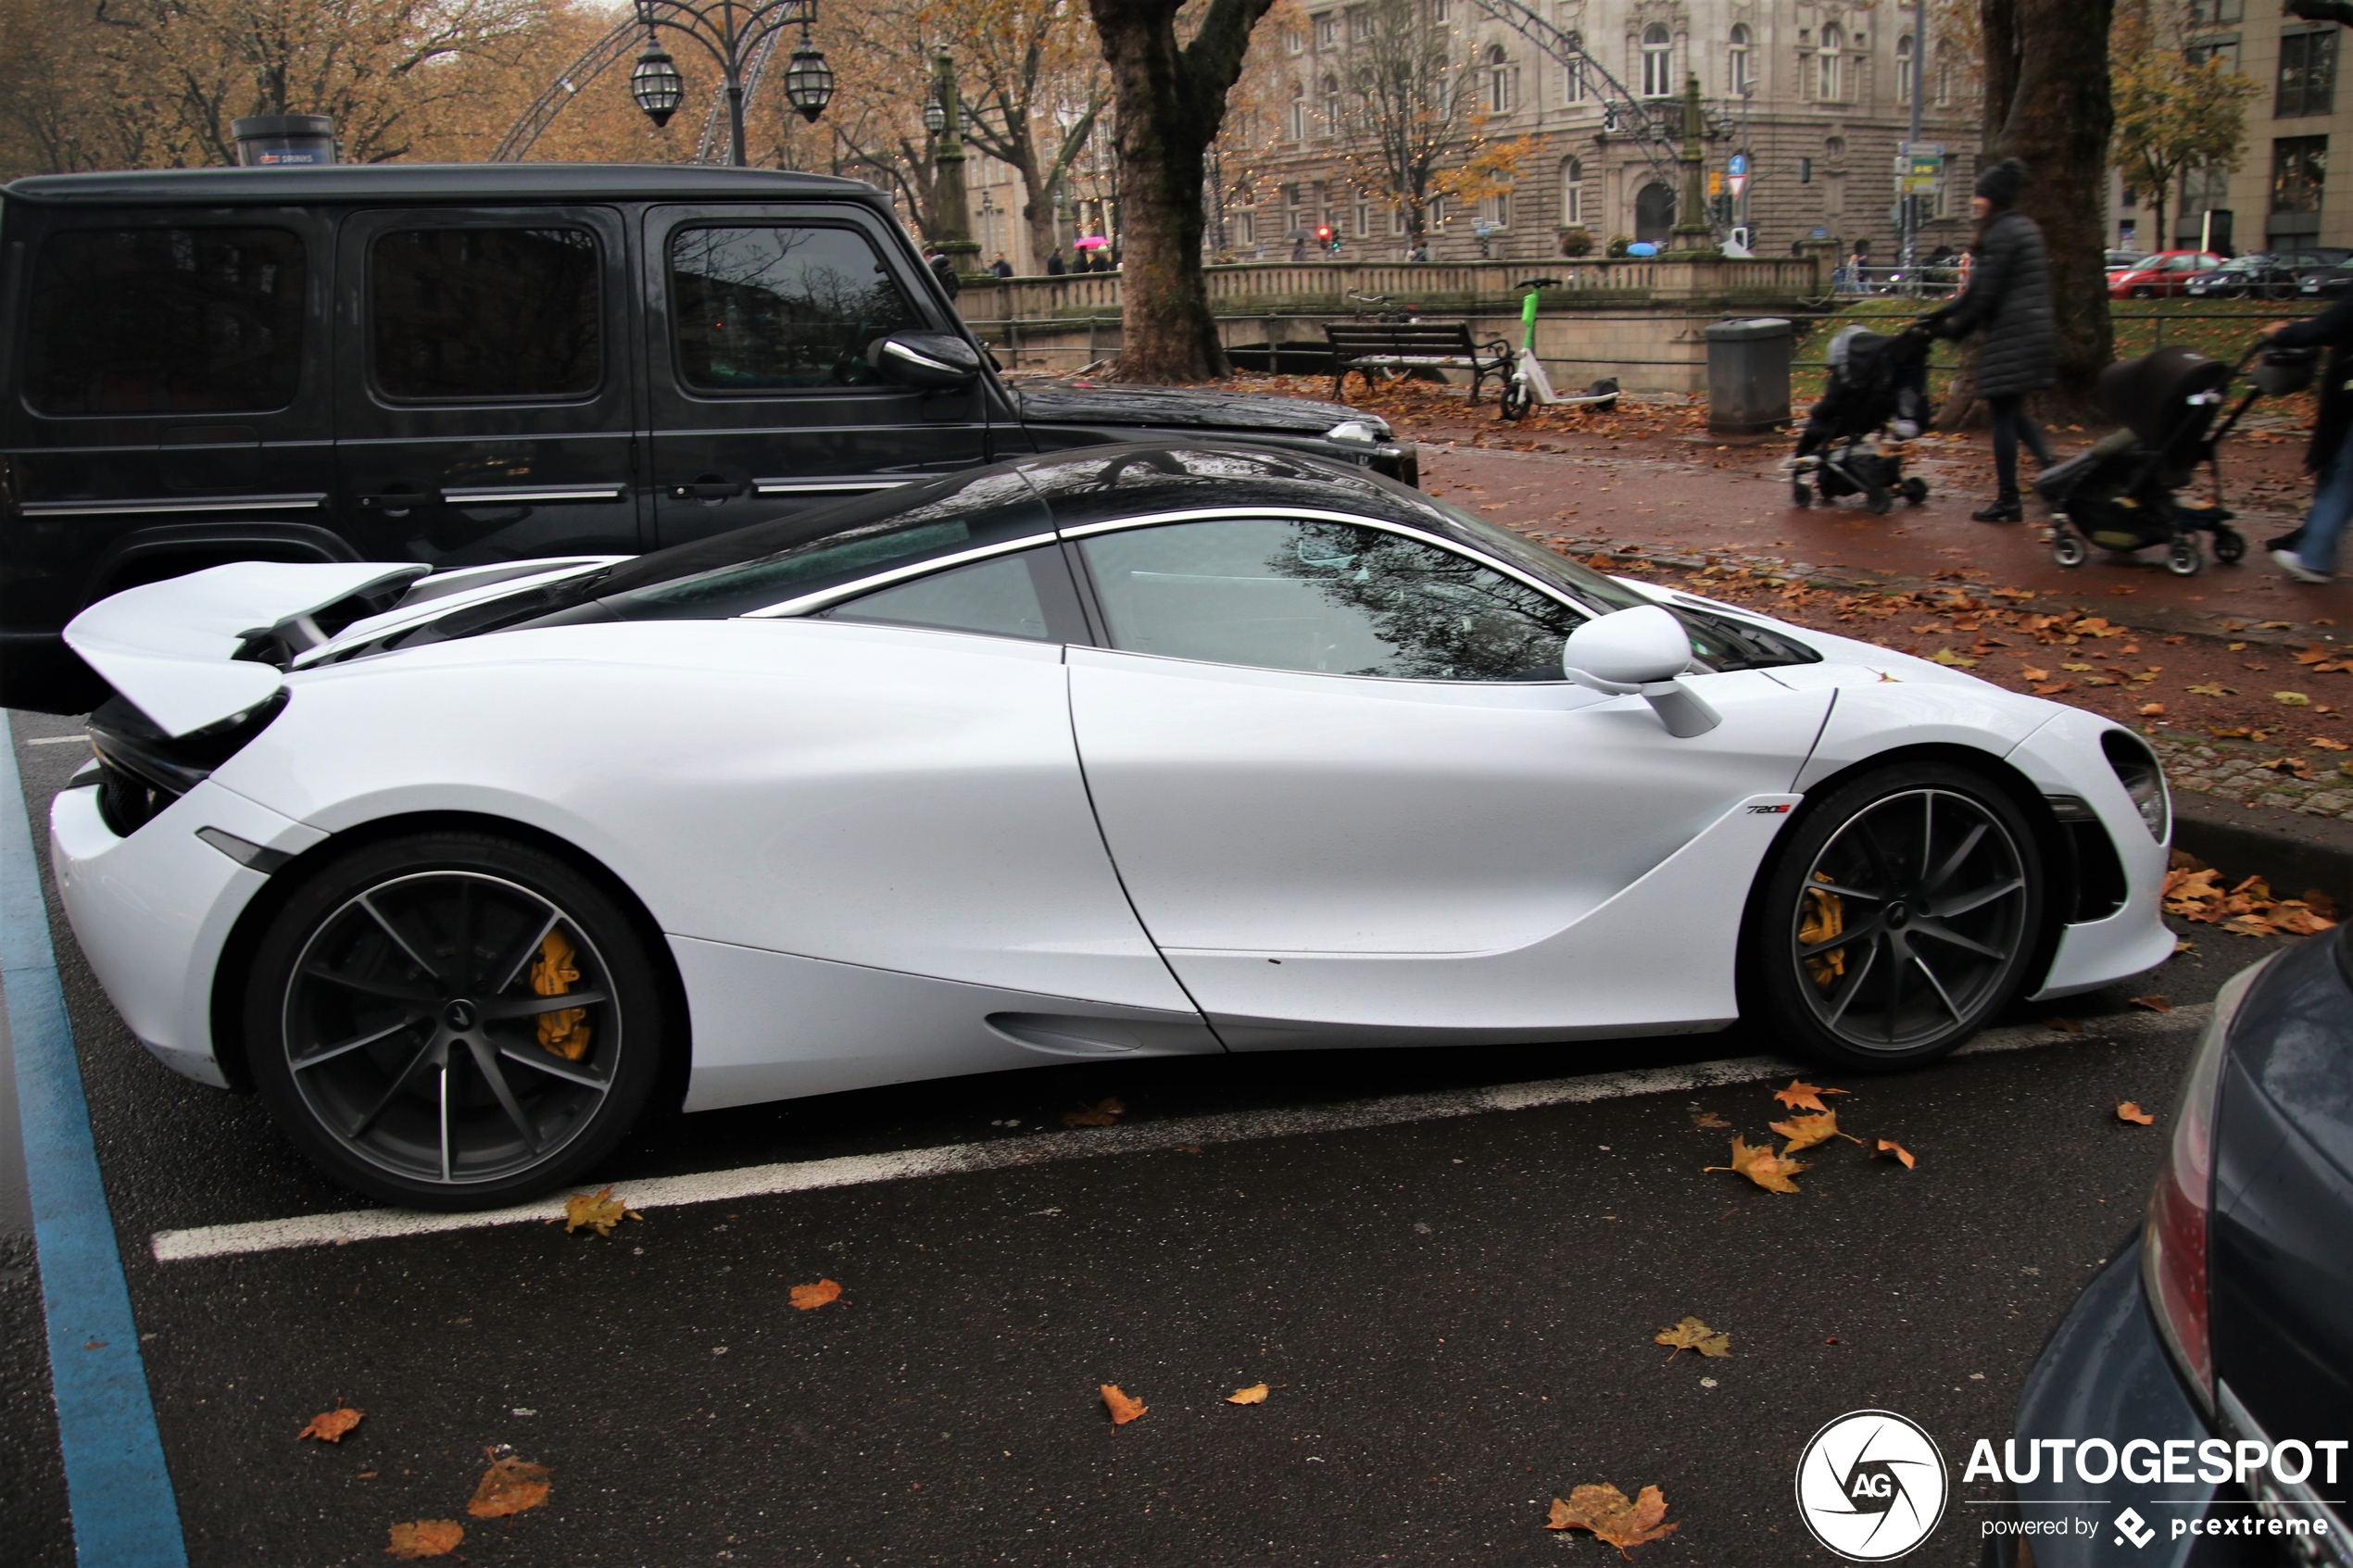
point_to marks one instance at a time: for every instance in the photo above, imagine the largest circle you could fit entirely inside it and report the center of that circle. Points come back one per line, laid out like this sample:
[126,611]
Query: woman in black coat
[2008,299]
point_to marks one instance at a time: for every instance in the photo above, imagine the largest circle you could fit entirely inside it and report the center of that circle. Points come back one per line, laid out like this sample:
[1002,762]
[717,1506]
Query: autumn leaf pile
[507,1488]
[1773,1172]
[2248,909]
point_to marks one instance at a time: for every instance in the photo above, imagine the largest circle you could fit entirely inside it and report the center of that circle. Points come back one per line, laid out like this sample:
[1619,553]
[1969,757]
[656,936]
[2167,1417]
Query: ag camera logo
[1871,1486]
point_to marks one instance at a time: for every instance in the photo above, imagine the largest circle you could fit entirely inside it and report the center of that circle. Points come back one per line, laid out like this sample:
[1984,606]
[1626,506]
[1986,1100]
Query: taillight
[2174,1246]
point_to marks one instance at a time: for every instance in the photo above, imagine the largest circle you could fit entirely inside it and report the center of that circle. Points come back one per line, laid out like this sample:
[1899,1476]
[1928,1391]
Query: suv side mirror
[1641,650]
[926,362]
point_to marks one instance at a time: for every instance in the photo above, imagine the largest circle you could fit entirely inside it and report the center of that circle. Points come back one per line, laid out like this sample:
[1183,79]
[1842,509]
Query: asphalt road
[1454,1317]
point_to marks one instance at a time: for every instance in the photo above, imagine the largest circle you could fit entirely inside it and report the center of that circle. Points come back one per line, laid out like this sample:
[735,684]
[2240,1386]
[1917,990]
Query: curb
[2290,851]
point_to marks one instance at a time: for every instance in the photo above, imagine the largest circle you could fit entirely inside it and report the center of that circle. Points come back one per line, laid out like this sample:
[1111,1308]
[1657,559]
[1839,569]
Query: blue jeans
[2331,504]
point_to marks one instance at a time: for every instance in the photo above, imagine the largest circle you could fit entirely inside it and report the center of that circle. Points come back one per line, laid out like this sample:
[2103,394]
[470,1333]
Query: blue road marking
[124,1516]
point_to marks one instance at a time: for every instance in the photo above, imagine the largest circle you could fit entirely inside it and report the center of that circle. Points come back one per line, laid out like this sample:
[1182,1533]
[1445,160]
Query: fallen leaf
[1708,1119]
[1123,1409]
[509,1487]
[1890,1147]
[2211,688]
[1948,657]
[2128,1112]
[1103,1113]
[2152,710]
[1606,1512]
[2294,699]
[1693,1335]
[426,1538]
[2064,1026]
[2155,1004]
[807,1297]
[2031,674]
[1760,1165]
[2079,668]
[1254,1395]
[329,1426]
[2325,743]
[600,1213]
[1805,1132]
[2052,688]
[1803,1096]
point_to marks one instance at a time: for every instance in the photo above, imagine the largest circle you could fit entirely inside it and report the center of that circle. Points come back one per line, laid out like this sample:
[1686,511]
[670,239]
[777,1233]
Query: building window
[1364,220]
[1658,62]
[1830,59]
[1246,229]
[1439,12]
[1497,209]
[1572,193]
[1291,219]
[1437,211]
[2223,49]
[1943,76]
[1326,30]
[1292,43]
[1499,80]
[1396,220]
[1360,24]
[1331,105]
[2308,74]
[1903,70]
[1742,80]
[1573,71]
[2217,13]
[2299,164]
[1296,126]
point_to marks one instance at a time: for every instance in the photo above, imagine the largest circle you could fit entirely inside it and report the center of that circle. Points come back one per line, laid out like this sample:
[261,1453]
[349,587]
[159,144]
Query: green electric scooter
[1528,385]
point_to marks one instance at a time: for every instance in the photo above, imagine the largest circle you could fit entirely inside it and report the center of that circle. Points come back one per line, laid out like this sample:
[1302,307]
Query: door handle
[396,501]
[708,487]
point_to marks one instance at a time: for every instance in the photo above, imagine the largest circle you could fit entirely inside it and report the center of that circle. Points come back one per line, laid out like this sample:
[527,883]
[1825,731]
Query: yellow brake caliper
[1825,918]
[561,1033]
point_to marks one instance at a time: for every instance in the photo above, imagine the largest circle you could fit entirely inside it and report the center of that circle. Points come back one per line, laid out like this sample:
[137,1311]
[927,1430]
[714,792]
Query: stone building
[1818,92]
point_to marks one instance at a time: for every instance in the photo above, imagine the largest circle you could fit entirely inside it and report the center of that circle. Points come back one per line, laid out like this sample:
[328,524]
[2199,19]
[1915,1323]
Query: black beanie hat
[2001,184]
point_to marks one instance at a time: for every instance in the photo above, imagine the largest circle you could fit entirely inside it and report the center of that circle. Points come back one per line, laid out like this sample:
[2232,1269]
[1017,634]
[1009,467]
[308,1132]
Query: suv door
[169,410]
[762,400]
[485,408]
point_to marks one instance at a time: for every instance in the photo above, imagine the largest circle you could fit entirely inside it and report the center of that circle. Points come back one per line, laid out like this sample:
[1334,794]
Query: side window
[1027,595]
[469,315]
[166,321]
[772,309]
[1331,598]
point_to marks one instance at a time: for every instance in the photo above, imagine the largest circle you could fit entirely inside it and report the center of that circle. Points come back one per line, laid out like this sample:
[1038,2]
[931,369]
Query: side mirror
[926,362]
[1640,651]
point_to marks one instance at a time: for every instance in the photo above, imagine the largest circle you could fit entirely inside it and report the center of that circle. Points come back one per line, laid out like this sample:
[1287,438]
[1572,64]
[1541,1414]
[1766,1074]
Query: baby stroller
[2119,495]
[1875,381]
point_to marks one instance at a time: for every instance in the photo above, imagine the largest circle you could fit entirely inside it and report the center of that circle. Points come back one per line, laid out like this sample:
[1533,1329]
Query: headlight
[1358,433]
[2137,771]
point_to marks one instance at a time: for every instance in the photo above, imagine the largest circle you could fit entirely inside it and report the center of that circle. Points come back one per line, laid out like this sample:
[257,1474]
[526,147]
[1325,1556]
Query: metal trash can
[1748,375]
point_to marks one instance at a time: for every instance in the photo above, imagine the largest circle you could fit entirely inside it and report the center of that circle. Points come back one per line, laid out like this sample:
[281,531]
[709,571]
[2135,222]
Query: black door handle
[708,487]
[398,501]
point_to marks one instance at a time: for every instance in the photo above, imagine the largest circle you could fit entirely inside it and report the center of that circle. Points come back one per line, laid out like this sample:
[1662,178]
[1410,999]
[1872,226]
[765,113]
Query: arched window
[1904,67]
[1499,80]
[1331,105]
[1654,213]
[1573,73]
[1658,62]
[1572,193]
[1298,120]
[1832,56]
[1742,77]
[1943,75]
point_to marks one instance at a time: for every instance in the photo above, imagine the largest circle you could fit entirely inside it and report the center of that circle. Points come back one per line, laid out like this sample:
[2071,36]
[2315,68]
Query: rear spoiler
[172,649]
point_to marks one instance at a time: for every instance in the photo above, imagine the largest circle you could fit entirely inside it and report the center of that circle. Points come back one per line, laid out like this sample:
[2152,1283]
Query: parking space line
[117,1484]
[861,1170]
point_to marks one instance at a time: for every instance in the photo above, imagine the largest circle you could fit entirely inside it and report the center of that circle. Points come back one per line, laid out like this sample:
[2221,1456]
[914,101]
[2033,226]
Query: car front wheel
[453,1020]
[1899,917]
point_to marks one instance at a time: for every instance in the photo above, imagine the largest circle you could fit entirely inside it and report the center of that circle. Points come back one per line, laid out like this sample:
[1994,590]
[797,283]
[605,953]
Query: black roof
[400,183]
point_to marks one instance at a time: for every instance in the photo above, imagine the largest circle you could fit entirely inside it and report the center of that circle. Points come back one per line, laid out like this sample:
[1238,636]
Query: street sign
[1715,183]
[1919,168]
[1737,167]
[1737,184]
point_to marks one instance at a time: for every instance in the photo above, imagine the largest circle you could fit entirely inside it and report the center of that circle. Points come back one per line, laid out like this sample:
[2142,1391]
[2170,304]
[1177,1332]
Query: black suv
[468,364]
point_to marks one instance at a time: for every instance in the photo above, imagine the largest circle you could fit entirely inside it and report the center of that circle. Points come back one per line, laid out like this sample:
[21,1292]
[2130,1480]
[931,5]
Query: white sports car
[1129,751]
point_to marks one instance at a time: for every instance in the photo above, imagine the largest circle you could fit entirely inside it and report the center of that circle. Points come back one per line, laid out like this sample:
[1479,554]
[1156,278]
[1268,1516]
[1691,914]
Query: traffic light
[1324,238]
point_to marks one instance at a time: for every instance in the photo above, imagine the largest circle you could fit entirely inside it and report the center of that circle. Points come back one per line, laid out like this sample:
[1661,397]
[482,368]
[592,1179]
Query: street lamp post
[732,32]
[954,235]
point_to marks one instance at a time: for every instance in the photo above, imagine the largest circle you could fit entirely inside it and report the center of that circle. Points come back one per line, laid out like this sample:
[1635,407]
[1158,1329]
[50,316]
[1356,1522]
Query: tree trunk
[2059,124]
[1171,100]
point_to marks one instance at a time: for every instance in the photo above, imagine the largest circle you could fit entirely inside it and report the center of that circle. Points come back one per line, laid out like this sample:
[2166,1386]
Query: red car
[2161,276]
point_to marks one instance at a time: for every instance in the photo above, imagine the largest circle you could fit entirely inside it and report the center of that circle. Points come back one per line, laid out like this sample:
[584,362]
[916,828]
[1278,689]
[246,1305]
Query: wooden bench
[1365,347]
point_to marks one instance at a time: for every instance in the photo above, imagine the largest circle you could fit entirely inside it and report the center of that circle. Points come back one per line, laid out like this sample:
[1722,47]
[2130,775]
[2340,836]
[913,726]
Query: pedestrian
[945,271]
[2309,555]
[1054,267]
[1000,268]
[1298,247]
[2008,299]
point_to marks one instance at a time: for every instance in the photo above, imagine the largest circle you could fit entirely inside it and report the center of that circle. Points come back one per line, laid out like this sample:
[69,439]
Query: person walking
[1000,268]
[2008,299]
[2309,555]
[1054,264]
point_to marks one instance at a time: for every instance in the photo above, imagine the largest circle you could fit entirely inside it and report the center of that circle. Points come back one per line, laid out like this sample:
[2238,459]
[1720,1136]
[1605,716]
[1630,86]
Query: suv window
[766,307]
[463,315]
[1335,597]
[1004,597]
[166,321]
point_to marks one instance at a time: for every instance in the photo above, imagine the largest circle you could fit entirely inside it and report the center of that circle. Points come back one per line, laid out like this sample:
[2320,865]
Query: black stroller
[2119,495]
[1875,381]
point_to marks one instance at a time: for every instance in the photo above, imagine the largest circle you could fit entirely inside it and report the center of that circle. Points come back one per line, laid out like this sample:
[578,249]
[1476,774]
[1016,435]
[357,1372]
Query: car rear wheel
[453,1020]
[2142,290]
[1898,918]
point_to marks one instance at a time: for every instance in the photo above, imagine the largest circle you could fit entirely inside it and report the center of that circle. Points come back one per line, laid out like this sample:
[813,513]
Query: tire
[1801,494]
[429,970]
[2066,547]
[1878,501]
[1843,960]
[2182,557]
[1916,491]
[2230,546]
[1514,403]
[2142,290]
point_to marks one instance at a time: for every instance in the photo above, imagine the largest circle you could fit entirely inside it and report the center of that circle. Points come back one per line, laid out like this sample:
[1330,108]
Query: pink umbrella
[1090,241]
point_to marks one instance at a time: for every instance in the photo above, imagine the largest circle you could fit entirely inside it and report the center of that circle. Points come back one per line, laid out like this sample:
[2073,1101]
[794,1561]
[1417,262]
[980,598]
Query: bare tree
[1413,128]
[1034,77]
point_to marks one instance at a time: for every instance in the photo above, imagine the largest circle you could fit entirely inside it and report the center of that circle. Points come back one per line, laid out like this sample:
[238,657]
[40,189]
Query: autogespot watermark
[2257,1469]
[1871,1486]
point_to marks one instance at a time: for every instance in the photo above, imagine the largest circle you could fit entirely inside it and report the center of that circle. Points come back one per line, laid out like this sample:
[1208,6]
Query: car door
[484,407]
[762,400]
[1349,793]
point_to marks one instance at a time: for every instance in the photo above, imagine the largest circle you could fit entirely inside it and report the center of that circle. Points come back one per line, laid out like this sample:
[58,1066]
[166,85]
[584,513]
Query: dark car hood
[1173,406]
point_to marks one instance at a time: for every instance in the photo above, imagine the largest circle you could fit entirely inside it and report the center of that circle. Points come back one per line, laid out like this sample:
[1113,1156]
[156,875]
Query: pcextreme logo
[1871,1486]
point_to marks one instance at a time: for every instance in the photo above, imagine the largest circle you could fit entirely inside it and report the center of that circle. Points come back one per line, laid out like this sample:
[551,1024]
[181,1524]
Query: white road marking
[1090,1143]
[54,740]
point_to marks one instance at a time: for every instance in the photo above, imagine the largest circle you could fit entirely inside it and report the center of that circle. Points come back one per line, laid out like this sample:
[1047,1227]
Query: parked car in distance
[2326,283]
[471,364]
[2162,276]
[2119,260]
[2264,275]
[2229,1315]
